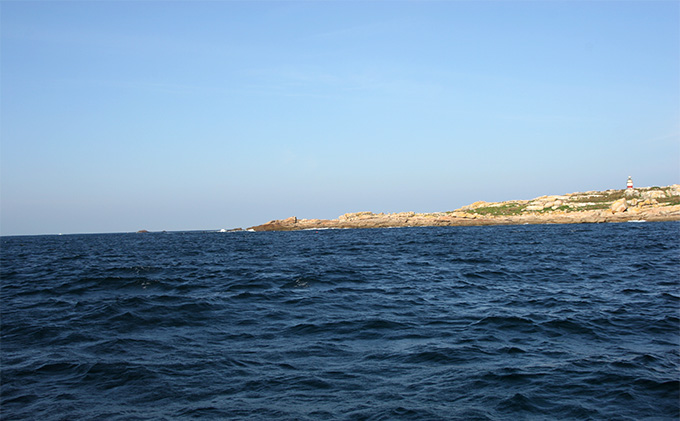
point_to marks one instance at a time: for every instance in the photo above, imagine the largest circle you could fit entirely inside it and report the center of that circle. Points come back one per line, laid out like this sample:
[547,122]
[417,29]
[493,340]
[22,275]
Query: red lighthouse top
[630,182]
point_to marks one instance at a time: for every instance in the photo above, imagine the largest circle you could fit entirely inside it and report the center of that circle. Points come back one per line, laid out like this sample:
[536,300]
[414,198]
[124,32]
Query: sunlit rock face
[651,204]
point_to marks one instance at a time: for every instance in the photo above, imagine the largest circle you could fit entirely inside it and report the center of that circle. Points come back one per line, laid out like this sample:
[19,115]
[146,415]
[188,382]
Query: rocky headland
[638,204]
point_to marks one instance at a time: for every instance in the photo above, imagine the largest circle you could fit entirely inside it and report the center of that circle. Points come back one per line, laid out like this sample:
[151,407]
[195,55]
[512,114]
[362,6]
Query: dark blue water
[513,322]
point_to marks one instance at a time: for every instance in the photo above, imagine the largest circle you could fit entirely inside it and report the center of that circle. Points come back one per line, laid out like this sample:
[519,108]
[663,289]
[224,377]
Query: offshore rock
[660,204]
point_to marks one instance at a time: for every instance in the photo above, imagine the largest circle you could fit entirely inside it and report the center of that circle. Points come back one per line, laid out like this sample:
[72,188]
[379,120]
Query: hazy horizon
[122,116]
[208,229]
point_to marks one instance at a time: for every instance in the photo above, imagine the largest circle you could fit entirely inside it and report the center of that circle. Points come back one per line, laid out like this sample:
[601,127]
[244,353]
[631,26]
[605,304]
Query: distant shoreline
[639,204]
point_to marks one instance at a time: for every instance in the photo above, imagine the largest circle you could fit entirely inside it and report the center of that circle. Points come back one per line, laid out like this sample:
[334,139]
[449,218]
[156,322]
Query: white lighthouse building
[630,182]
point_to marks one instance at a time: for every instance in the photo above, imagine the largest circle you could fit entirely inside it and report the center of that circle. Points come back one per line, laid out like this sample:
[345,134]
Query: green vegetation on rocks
[647,203]
[606,196]
[506,209]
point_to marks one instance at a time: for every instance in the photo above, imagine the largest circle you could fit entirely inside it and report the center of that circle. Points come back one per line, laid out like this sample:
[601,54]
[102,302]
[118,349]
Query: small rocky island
[631,204]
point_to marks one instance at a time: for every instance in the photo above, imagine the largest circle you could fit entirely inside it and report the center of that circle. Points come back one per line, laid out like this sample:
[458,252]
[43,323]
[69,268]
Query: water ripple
[487,323]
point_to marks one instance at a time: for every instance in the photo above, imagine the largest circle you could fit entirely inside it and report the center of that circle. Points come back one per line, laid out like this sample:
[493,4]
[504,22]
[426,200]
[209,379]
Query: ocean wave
[551,322]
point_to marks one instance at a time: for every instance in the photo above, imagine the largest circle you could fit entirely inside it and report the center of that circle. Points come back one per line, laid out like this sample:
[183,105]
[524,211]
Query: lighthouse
[630,182]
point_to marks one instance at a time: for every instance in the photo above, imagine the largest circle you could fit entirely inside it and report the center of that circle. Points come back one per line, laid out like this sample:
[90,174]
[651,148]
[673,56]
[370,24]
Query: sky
[170,115]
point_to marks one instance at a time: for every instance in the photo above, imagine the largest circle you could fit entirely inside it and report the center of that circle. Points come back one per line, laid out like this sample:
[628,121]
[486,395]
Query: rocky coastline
[634,204]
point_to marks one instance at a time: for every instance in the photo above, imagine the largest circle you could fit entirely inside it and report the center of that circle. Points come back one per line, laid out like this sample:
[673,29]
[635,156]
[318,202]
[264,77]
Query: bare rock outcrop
[651,204]
[653,194]
[619,206]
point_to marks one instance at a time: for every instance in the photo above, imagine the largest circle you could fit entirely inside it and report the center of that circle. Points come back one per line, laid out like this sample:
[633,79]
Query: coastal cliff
[648,204]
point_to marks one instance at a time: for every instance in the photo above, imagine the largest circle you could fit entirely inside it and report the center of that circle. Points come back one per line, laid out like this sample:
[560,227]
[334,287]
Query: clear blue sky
[125,115]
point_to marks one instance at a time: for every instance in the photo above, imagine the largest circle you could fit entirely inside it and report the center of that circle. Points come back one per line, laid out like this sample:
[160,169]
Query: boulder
[355,215]
[631,193]
[648,202]
[653,194]
[534,207]
[287,224]
[619,206]
[474,205]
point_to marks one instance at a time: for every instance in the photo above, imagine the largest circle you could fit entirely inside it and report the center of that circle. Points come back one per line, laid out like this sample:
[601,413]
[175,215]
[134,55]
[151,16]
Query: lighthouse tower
[630,182]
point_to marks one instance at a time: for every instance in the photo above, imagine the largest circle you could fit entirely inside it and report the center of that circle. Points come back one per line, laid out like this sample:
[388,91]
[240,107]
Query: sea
[523,322]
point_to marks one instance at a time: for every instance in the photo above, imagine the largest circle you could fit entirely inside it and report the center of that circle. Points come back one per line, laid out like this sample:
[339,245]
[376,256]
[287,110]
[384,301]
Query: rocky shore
[639,204]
